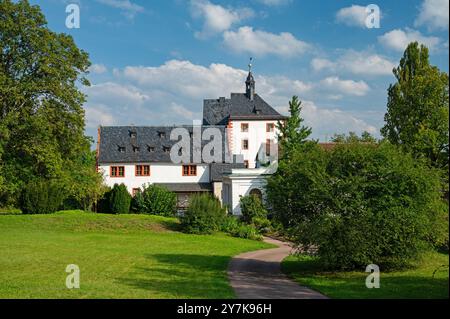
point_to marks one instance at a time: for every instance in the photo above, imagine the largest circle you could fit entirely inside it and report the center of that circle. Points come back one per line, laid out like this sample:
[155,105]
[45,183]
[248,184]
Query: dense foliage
[41,197]
[292,133]
[119,200]
[358,204]
[204,215]
[251,208]
[155,200]
[417,118]
[41,115]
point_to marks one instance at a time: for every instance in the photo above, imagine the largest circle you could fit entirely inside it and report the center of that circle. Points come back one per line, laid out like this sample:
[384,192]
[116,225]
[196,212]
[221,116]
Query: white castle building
[140,155]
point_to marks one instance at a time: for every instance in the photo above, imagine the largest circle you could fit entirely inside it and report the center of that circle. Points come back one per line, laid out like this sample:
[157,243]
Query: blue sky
[155,61]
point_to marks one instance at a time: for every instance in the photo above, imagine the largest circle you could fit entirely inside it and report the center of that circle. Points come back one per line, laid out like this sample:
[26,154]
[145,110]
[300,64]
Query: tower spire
[250,82]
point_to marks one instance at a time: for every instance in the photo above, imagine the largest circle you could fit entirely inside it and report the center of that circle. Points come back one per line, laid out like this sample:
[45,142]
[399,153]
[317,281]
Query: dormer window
[133,134]
[151,149]
[121,149]
[136,149]
[166,149]
[161,134]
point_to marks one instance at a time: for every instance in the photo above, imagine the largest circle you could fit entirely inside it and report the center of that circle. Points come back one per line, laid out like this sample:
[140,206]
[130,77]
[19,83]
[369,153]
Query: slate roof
[140,144]
[187,187]
[219,169]
[238,107]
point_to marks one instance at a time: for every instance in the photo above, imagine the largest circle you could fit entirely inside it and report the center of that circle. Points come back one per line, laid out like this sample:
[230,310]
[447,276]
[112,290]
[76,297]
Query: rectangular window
[244,127]
[117,171]
[142,170]
[270,127]
[245,144]
[268,142]
[246,164]
[189,170]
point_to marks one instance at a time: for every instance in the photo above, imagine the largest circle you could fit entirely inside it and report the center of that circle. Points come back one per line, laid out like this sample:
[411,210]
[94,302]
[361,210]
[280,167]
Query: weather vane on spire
[250,65]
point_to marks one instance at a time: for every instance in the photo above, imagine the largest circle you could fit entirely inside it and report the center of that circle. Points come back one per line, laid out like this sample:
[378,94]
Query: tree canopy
[418,109]
[42,120]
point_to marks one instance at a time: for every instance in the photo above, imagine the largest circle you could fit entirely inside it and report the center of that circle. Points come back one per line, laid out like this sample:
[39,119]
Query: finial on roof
[250,82]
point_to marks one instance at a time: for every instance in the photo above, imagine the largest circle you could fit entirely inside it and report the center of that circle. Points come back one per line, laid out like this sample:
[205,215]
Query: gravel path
[257,275]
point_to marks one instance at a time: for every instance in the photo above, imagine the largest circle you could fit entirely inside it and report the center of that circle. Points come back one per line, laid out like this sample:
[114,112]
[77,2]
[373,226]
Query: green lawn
[417,282]
[123,256]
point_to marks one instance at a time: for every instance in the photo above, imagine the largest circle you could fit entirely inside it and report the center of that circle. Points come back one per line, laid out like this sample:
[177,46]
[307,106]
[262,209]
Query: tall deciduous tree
[41,116]
[417,115]
[292,133]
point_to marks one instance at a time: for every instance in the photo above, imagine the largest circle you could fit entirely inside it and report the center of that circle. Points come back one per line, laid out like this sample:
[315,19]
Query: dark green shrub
[247,232]
[155,200]
[103,202]
[204,215]
[359,204]
[119,200]
[263,225]
[252,207]
[41,197]
[230,224]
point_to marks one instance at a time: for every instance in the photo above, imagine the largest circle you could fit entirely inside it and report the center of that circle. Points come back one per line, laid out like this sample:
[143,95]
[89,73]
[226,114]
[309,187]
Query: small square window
[117,171]
[135,191]
[245,144]
[244,127]
[142,170]
[268,143]
[189,170]
[270,127]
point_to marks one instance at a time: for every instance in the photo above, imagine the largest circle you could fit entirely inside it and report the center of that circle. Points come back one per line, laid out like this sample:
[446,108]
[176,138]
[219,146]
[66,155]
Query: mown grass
[428,279]
[119,256]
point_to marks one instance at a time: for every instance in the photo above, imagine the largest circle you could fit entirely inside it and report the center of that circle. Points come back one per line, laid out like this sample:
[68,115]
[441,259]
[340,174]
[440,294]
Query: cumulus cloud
[434,14]
[261,43]
[399,39]
[355,62]
[354,16]
[348,87]
[173,93]
[98,69]
[128,8]
[217,18]
[274,3]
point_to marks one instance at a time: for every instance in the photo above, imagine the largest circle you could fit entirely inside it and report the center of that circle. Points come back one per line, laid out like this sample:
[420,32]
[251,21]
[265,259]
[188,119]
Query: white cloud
[217,18]
[355,62]
[319,64]
[261,43]
[98,69]
[354,16]
[173,93]
[128,8]
[348,87]
[98,114]
[326,122]
[274,3]
[434,14]
[399,39]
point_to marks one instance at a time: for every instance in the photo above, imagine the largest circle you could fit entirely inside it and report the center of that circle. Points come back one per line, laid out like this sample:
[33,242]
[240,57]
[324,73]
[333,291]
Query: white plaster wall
[160,173]
[256,136]
[237,187]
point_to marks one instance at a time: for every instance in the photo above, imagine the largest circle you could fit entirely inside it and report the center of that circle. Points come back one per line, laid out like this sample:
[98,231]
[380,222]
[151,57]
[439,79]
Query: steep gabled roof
[239,106]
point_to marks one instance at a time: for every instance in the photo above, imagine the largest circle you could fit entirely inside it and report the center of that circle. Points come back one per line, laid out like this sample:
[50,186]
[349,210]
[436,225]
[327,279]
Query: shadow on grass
[351,285]
[182,276]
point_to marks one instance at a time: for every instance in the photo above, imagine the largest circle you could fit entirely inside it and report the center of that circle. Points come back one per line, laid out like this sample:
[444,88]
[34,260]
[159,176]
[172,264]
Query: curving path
[257,275]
